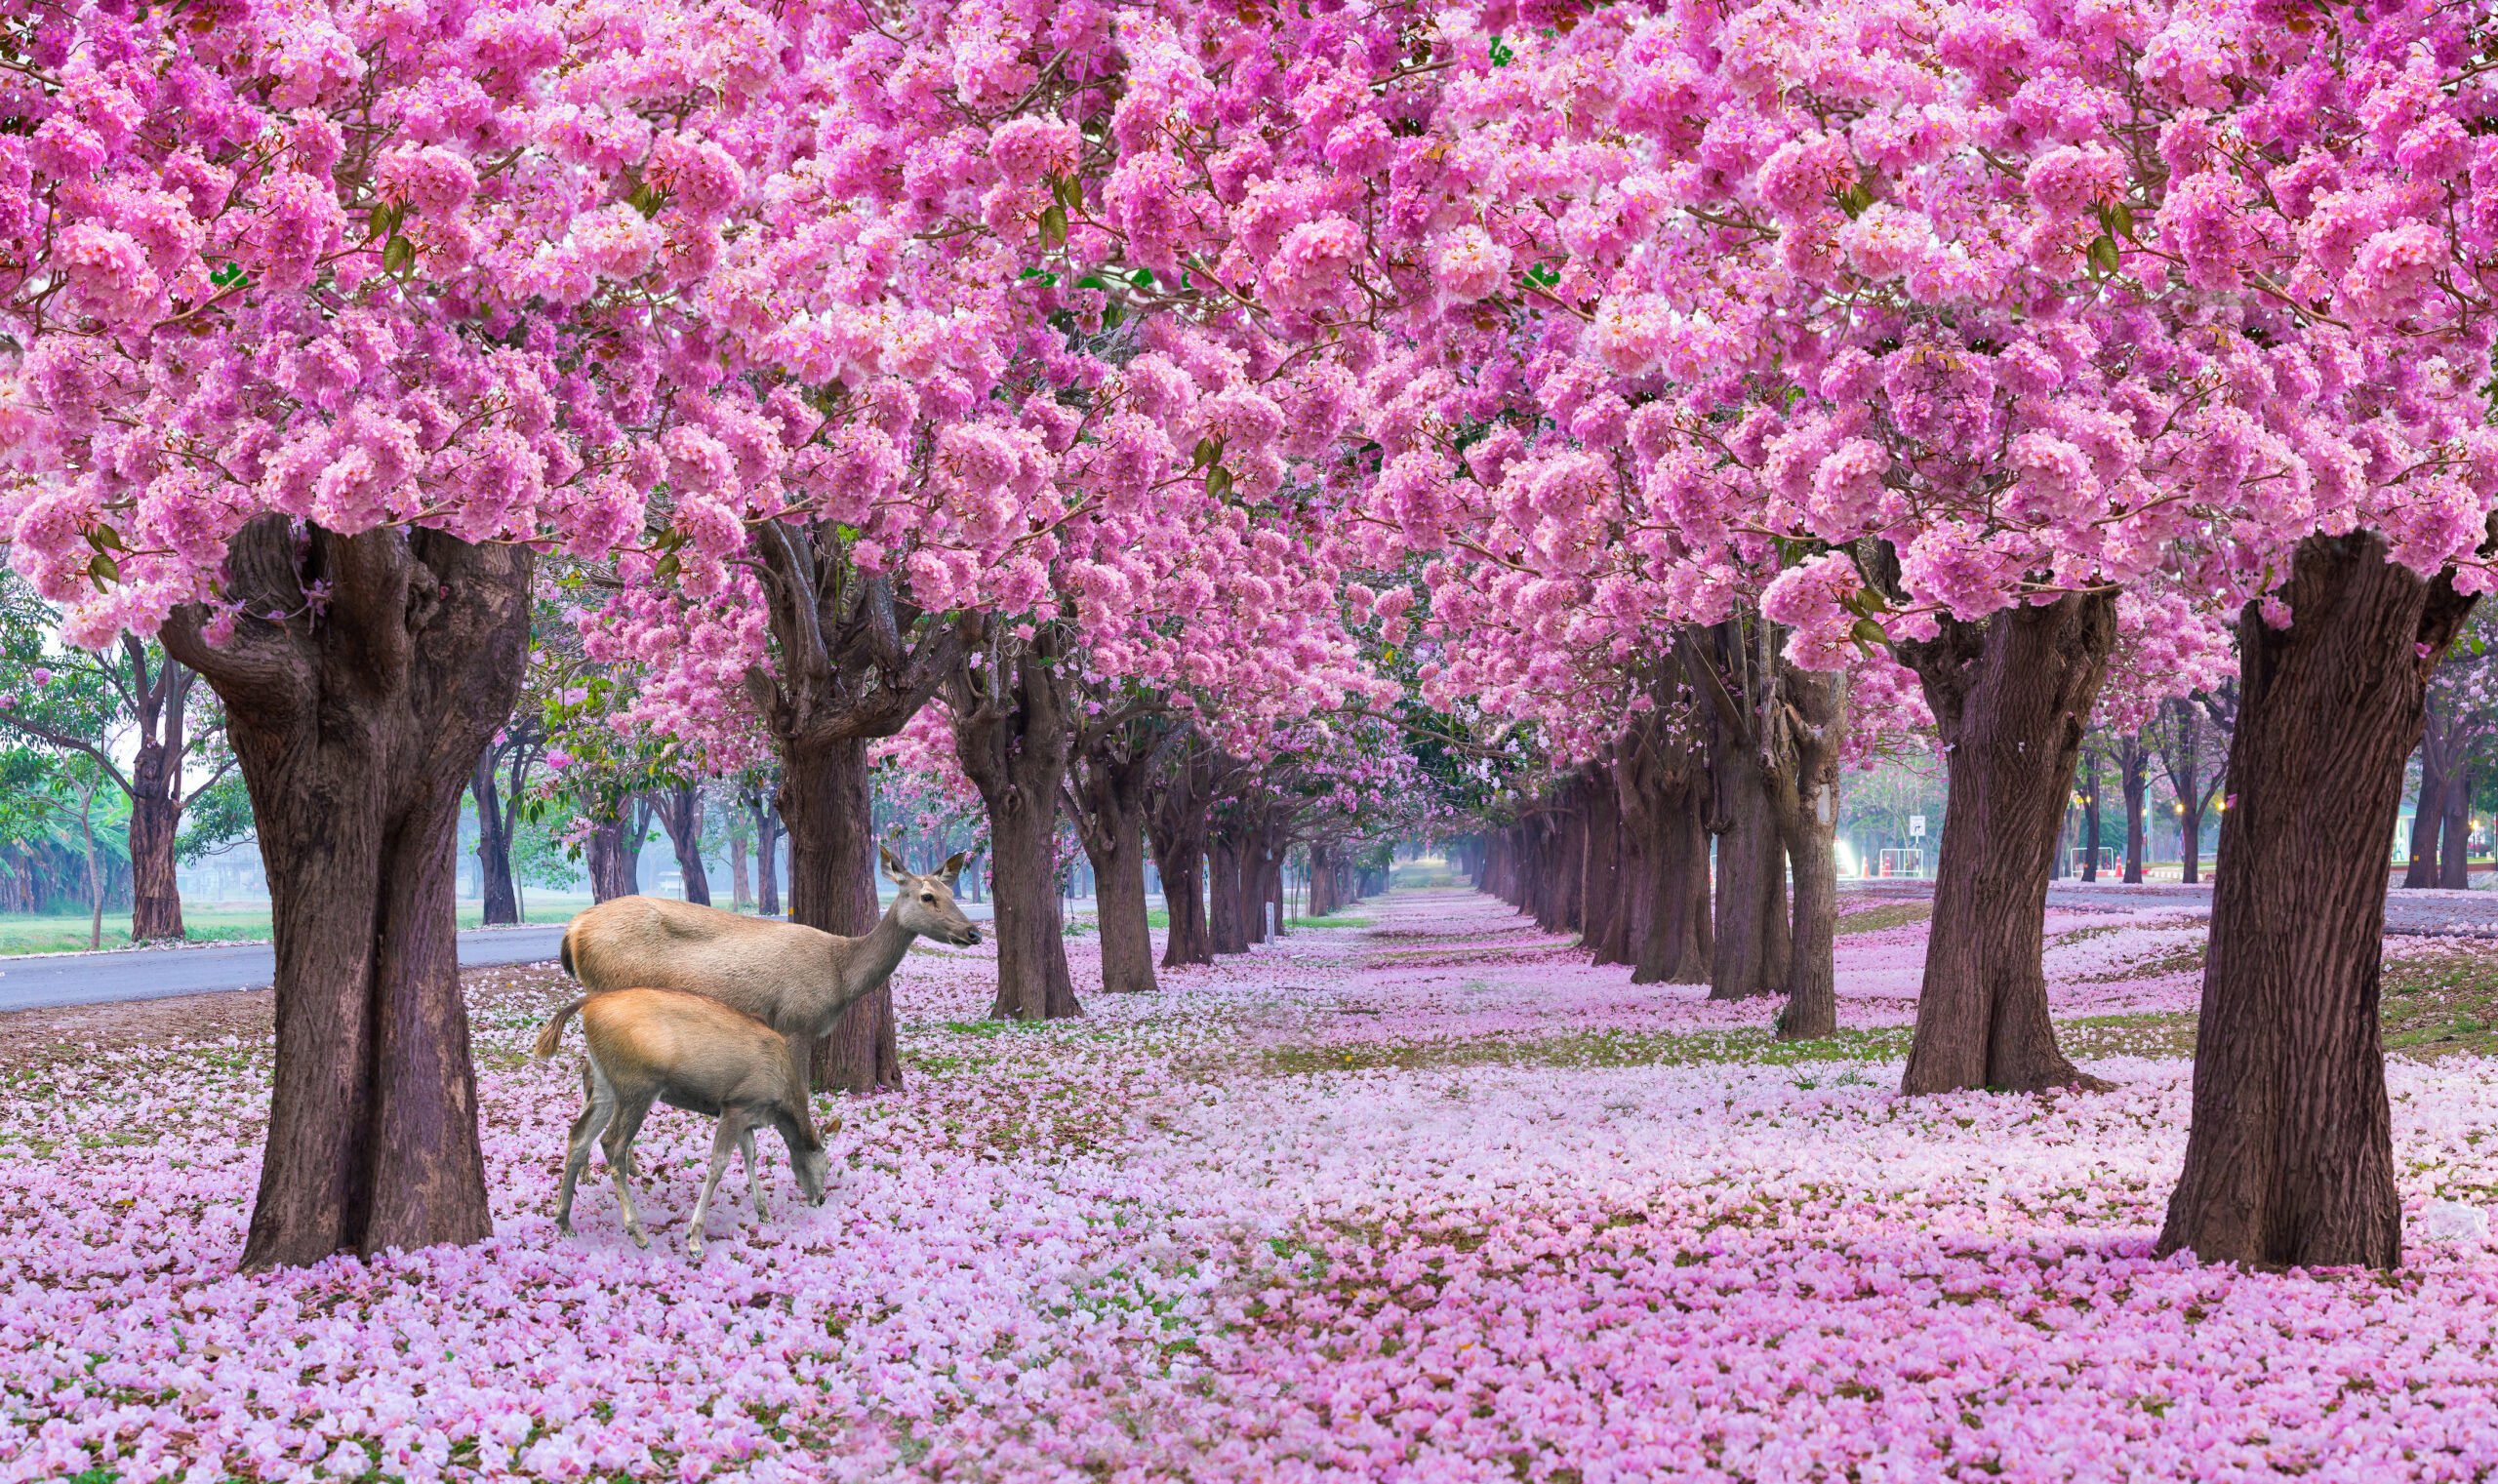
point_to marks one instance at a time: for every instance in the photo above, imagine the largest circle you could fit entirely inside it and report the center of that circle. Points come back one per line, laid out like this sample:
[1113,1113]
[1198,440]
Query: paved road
[149,973]
[44,982]
[2407,914]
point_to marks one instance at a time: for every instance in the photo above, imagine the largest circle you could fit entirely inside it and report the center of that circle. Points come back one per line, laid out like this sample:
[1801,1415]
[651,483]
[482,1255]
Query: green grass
[1883,916]
[1593,1049]
[64,933]
[2436,1004]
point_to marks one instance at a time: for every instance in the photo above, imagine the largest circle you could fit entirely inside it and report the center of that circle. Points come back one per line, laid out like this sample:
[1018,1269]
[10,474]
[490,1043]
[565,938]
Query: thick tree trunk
[767,859]
[1753,947]
[1229,920]
[2427,816]
[824,803]
[2190,844]
[2133,778]
[680,813]
[1182,867]
[1013,747]
[2290,1158]
[493,846]
[741,894]
[1110,795]
[2091,817]
[356,733]
[2009,695]
[1803,798]
[155,824]
[2454,834]
[1606,872]
[1681,942]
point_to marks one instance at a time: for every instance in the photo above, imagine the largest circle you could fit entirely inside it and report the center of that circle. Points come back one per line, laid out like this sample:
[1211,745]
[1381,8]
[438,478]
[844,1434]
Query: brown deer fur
[687,1052]
[795,979]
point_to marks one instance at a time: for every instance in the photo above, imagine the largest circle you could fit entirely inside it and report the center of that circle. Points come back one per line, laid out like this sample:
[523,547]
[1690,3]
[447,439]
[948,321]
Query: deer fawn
[793,978]
[692,1053]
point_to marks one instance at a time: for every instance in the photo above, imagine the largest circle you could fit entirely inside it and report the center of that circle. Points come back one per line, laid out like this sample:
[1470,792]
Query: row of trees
[1068,383]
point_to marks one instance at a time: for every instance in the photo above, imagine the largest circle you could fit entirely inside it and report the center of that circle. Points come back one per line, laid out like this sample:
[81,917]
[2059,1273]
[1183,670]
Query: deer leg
[754,1175]
[618,1144]
[724,1143]
[598,1106]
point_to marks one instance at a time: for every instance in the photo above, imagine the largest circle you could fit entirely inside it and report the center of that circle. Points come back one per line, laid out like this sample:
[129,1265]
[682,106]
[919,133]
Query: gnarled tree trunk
[356,732]
[680,813]
[823,800]
[155,824]
[1011,738]
[1227,924]
[1177,825]
[493,846]
[1109,798]
[2454,842]
[2009,695]
[1803,798]
[2291,1155]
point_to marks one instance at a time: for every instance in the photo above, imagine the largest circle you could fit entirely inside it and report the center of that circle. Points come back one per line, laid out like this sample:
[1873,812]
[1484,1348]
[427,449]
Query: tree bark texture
[1108,792]
[614,850]
[1659,787]
[1011,738]
[2454,832]
[356,730]
[2428,814]
[502,899]
[854,659]
[1606,873]
[824,802]
[2090,814]
[767,858]
[155,824]
[1176,823]
[680,813]
[2290,1158]
[1737,677]
[2010,696]
[2133,779]
[1228,922]
[1806,736]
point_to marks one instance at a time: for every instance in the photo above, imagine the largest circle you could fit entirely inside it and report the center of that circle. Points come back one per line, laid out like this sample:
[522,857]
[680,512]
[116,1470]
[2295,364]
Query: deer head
[926,906]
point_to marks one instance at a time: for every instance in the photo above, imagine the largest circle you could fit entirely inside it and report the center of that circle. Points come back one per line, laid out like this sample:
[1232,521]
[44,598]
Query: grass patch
[1588,1049]
[2439,1004]
[2156,1035]
[1883,917]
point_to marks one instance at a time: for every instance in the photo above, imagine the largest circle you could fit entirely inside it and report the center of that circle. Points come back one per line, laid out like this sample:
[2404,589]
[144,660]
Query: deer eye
[928,897]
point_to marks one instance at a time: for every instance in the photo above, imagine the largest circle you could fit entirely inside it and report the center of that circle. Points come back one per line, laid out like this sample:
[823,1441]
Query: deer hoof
[639,1236]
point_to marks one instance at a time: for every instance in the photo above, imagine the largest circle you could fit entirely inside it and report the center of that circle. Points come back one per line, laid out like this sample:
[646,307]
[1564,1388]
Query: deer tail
[552,1031]
[566,954]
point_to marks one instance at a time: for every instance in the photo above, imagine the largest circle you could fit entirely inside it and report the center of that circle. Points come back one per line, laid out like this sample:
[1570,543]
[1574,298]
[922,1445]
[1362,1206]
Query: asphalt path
[47,981]
[2407,913]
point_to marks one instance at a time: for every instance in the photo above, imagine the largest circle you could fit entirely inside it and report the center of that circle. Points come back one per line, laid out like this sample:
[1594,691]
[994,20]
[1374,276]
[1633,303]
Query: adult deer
[795,979]
[687,1052]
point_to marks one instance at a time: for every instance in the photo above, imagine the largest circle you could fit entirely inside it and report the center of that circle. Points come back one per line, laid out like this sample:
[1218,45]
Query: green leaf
[645,199]
[1208,451]
[382,221]
[1110,318]
[105,538]
[1054,228]
[2118,218]
[1093,281]
[104,569]
[1218,482]
[1854,200]
[1070,194]
[1866,631]
[2103,256]
[669,566]
[397,253]
[1142,278]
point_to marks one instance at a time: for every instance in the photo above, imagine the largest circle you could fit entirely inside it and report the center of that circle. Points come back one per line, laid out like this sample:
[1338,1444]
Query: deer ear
[892,864]
[953,868]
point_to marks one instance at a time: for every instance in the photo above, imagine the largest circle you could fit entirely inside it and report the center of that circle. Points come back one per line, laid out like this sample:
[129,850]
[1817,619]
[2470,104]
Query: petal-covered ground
[1419,1197]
